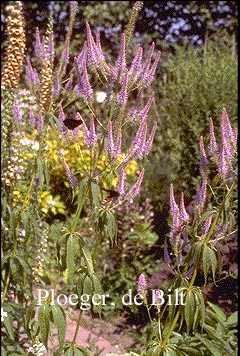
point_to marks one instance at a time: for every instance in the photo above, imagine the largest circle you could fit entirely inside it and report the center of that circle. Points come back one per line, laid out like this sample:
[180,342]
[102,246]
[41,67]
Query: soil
[100,337]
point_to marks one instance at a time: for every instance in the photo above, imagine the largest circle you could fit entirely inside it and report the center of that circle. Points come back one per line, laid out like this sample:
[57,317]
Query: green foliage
[195,85]
[100,246]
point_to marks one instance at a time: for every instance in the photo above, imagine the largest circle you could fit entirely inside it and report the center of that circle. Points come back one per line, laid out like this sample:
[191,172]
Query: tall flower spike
[201,194]
[144,112]
[224,163]
[38,44]
[117,148]
[84,86]
[121,60]
[13,61]
[65,56]
[148,144]
[120,185]
[110,143]
[16,111]
[147,62]
[51,49]
[92,132]
[71,177]
[40,122]
[206,226]
[183,213]
[203,156]
[140,139]
[136,188]
[175,214]
[142,283]
[173,204]
[95,55]
[149,75]
[228,135]
[123,94]
[136,63]
[90,136]
[213,147]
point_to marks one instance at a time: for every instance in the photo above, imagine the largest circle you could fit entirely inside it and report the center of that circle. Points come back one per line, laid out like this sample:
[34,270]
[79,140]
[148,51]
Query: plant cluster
[55,130]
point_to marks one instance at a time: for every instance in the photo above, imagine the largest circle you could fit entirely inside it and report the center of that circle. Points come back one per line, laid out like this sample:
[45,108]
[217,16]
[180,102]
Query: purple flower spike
[95,55]
[121,60]
[223,167]
[142,283]
[110,143]
[73,6]
[175,214]
[206,225]
[203,156]
[228,136]
[65,52]
[123,94]
[183,213]
[149,75]
[136,188]
[84,85]
[213,147]
[90,136]
[51,46]
[147,62]
[38,45]
[92,133]
[118,145]
[136,63]
[120,185]
[69,83]
[71,177]
[40,122]
[143,113]
[148,144]
[32,119]
[16,111]
[227,131]
[166,255]
[140,140]
[173,204]
[200,197]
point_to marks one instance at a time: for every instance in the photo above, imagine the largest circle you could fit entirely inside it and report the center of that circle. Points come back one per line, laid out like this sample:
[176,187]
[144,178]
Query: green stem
[77,328]
[164,343]
[6,286]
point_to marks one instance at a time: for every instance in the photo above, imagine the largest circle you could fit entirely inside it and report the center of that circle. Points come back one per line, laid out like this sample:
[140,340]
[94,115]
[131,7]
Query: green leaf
[220,316]
[111,227]
[96,284]
[83,189]
[24,265]
[16,269]
[30,314]
[88,258]
[95,195]
[211,346]
[71,248]
[200,305]
[60,322]
[79,284]
[233,320]
[189,309]
[209,258]
[88,285]
[8,322]
[44,322]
